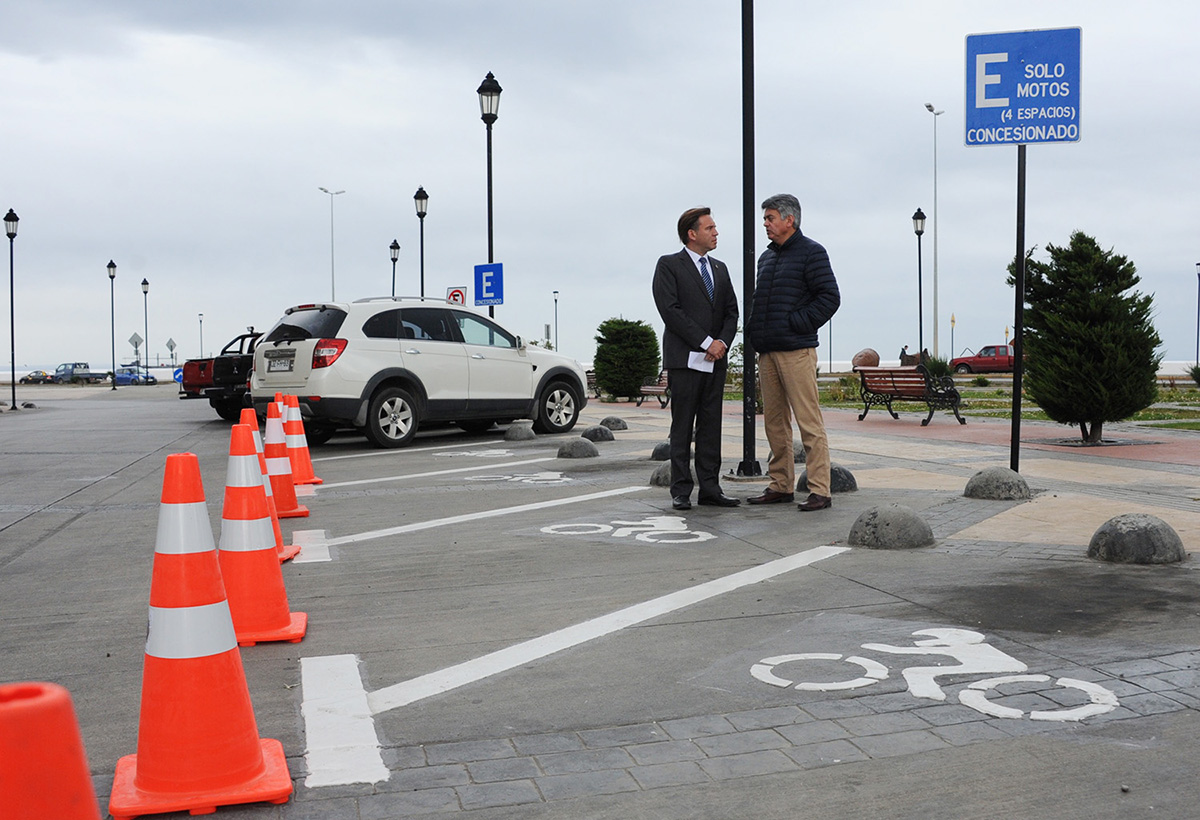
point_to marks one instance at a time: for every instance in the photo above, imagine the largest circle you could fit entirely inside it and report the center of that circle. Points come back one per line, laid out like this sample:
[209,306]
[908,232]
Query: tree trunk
[1093,435]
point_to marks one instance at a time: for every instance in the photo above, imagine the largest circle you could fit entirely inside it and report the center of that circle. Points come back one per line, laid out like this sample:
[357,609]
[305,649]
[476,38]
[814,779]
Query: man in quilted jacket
[795,293]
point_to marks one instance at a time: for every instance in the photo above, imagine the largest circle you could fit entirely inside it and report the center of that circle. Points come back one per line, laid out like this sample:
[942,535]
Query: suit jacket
[686,311]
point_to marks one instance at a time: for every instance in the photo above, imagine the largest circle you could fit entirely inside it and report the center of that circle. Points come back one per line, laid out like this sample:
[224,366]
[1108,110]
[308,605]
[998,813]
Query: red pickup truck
[990,359]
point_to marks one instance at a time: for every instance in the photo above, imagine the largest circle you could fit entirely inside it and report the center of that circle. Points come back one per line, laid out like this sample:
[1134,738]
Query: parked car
[36,377]
[133,375]
[990,359]
[225,379]
[77,372]
[387,366]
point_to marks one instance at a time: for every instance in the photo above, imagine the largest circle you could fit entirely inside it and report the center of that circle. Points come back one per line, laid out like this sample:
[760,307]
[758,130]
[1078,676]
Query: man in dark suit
[697,304]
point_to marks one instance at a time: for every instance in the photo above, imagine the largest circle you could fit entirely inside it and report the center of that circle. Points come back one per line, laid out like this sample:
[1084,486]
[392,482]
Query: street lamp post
[112,306]
[10,229]
[951,335]
[395,249]
[422,201]
[489,107]
[929,107]
[332,282]
[201,335]
[146,321]
[919,228]
[556,320]
[1198,314]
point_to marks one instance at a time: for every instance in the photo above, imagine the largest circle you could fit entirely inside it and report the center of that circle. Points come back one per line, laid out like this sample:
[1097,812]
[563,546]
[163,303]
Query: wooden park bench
[659,388]
[592,388]
[883,385]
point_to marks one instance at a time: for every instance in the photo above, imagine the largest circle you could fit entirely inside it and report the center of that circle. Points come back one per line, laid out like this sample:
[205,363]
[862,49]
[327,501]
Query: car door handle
[412,351]
[478,356]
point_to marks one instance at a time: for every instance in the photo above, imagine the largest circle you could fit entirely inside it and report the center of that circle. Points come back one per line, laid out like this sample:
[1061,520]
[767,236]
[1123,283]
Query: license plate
[279,365]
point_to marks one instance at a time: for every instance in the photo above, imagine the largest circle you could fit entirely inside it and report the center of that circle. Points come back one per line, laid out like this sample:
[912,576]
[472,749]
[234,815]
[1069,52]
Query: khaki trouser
[789,386]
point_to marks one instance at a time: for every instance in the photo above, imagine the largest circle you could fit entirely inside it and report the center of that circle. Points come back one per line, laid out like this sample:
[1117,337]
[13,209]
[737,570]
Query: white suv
[386,366]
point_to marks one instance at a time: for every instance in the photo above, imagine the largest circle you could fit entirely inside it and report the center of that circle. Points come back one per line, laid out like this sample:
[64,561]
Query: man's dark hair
[689,220]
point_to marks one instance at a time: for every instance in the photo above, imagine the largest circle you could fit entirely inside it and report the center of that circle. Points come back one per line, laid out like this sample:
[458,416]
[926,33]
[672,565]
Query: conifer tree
[1090,349]
[626,356]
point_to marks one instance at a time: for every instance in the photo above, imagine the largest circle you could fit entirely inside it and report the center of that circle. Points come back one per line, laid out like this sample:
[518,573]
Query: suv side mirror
[521,346]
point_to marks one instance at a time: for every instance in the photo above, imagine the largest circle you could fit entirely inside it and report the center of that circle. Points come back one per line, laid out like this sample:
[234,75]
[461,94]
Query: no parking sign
[457,296]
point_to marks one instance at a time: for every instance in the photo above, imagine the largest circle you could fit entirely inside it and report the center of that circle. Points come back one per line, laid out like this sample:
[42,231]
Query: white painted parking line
[478,516]
[397,452]
[434,473]
[314,546]
[342,744]
[453,677]
[336,731]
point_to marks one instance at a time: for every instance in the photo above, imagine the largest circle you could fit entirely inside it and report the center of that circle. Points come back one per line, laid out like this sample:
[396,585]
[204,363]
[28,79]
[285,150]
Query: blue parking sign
[1023,87]
[489,284]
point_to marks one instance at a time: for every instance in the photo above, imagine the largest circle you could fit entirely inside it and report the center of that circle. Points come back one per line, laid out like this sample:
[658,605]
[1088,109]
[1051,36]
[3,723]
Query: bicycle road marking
[433,473]
[476,516]
[341,750]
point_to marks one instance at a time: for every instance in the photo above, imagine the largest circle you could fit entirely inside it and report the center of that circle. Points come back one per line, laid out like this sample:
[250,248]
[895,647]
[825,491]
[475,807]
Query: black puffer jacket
[794,295]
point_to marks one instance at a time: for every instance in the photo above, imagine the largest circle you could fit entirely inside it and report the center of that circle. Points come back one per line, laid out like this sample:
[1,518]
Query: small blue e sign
[489,284]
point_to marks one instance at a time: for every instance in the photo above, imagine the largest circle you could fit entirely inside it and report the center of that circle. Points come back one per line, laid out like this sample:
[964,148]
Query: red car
[990,359]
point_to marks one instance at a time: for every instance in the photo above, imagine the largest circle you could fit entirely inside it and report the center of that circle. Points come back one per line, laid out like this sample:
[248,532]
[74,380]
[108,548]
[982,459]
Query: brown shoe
[815,502]
[771,497]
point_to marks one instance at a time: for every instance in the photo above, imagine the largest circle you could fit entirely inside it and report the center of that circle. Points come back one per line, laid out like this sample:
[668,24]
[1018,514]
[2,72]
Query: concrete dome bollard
[841,480]
[997,484]
[578,448]
[661,477]
[614,423]
[662,452]
[890,527]
[1136,538]
[520,431]
[597,433]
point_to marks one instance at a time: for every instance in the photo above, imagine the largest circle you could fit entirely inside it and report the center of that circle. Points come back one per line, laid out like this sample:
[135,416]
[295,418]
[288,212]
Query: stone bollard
[520,431]
[841,480]
[662,452]
[578,448]
[997,484]
[661,477]
[614,423]
[890,527]
[597,433]
[1136,538]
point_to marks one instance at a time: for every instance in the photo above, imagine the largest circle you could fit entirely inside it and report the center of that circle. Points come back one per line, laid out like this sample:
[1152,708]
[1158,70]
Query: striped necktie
[708,282]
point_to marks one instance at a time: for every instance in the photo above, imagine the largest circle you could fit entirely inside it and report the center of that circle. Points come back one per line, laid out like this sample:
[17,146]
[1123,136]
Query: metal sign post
[1022,87]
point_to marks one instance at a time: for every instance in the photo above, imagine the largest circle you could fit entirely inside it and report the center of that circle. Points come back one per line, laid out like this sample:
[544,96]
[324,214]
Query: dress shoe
[719,500]
[815,502]
[771,497]
[681,502]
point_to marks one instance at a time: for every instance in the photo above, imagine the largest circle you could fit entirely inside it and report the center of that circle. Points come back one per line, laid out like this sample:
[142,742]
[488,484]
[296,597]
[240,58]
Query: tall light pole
[146,321]
[919,228]
[929,107]
[489,107]
[112,306]
[395,249]
[201,335]
[1198,314]
[422,202]
[556,320]
[951,335]
[332,282]
[10,229]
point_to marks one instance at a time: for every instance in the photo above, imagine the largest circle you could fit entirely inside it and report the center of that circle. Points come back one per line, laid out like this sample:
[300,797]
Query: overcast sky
[186,141]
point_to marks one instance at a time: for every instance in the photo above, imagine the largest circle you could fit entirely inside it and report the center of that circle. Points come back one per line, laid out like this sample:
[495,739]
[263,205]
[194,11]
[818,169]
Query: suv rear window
[314,323]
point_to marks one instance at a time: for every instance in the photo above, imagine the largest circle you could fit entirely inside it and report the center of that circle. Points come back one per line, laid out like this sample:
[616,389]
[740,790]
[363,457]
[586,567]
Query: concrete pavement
[462,547]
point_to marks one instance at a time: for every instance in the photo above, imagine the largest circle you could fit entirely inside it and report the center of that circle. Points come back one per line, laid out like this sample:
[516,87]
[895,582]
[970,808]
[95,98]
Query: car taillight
[327,351]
